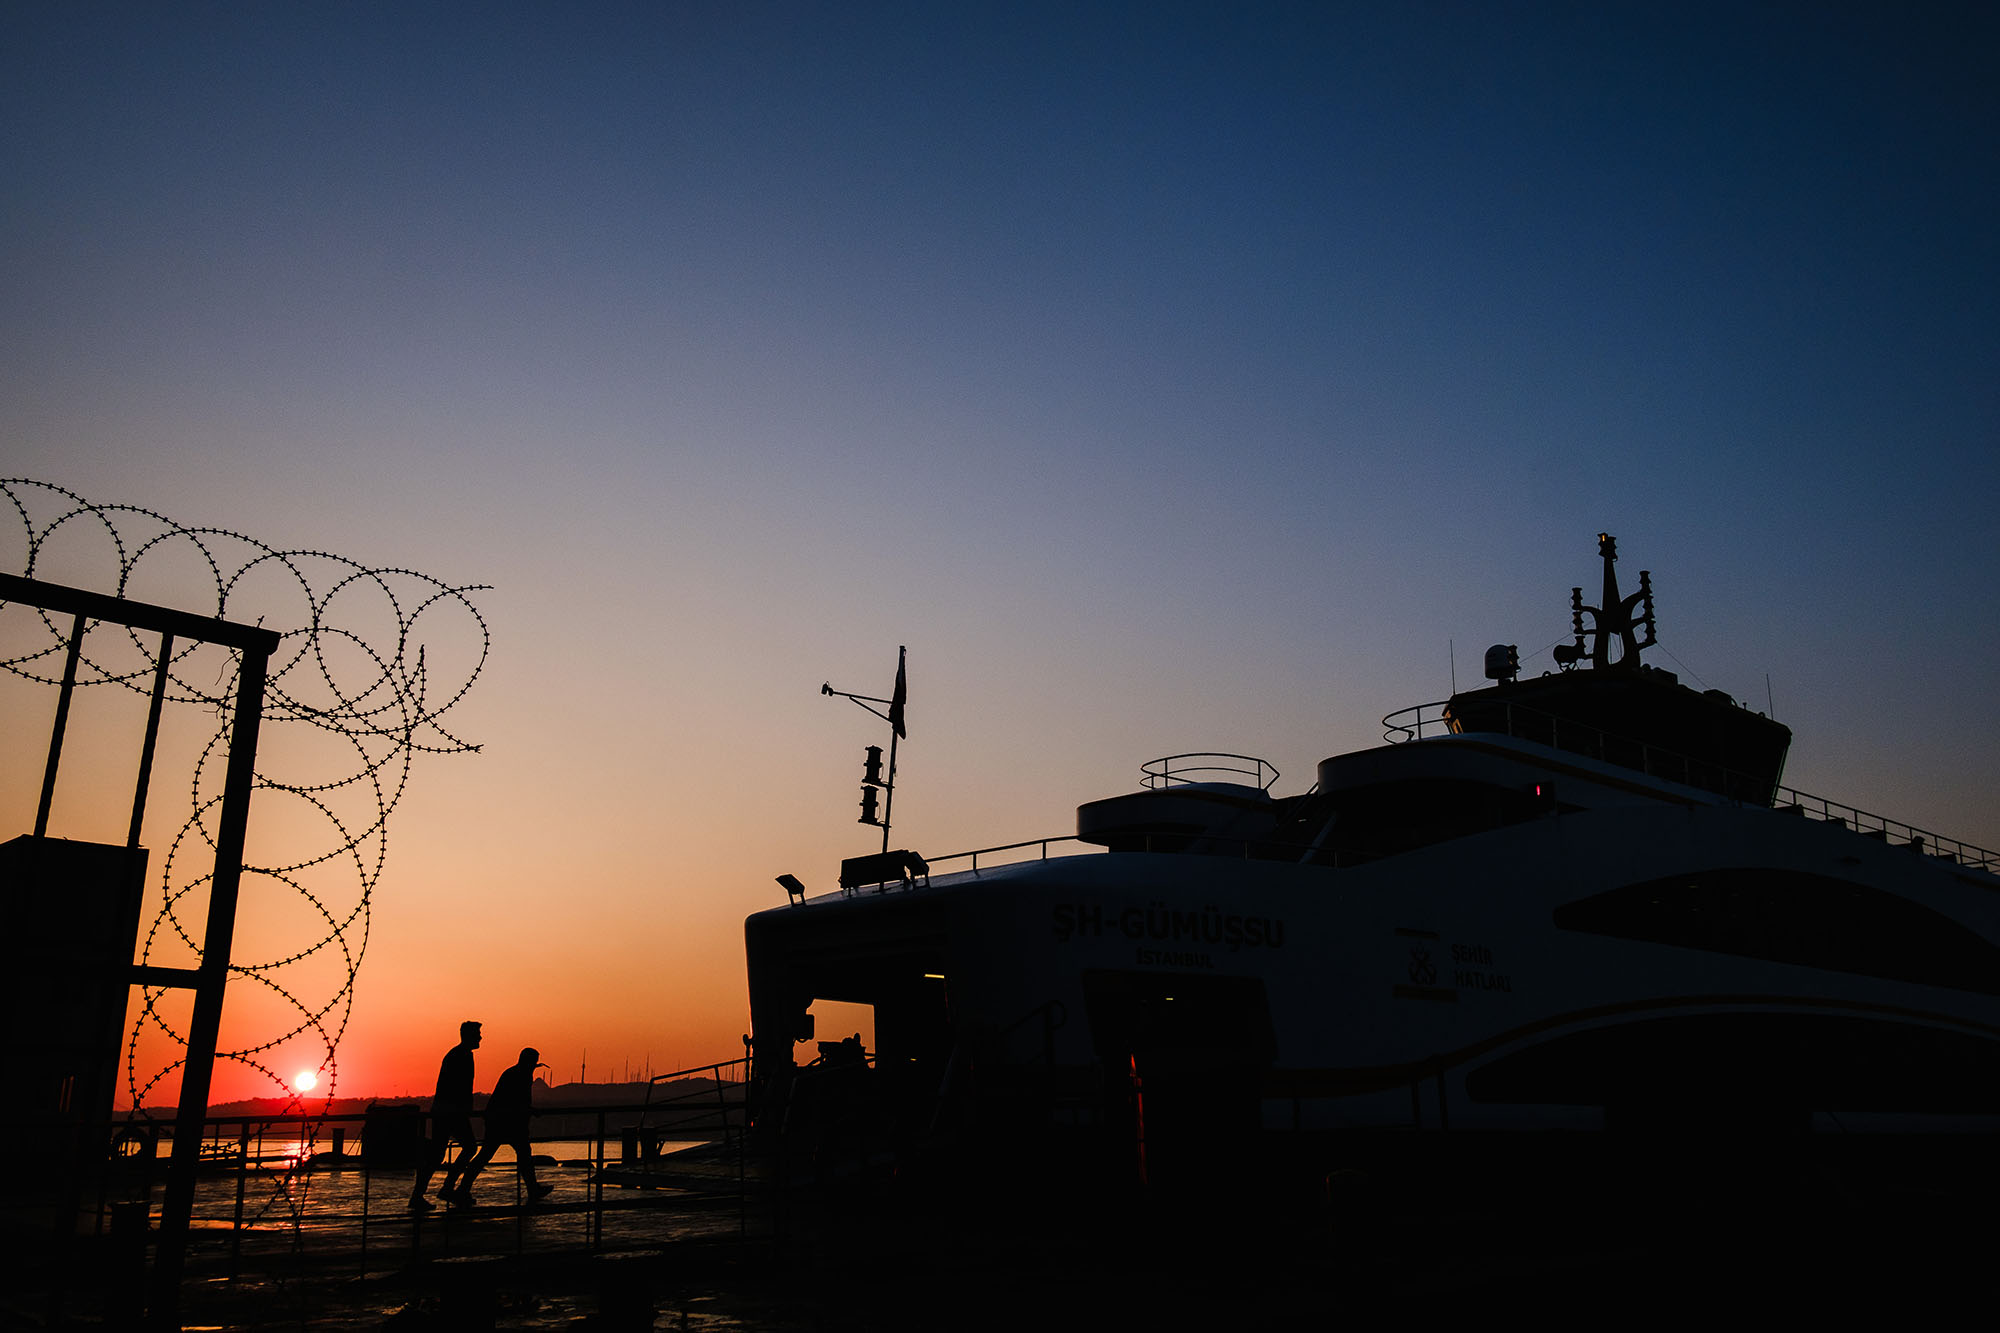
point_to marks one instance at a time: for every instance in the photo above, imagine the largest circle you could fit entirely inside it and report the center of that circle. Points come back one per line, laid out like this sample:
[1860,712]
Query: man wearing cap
[507,1122]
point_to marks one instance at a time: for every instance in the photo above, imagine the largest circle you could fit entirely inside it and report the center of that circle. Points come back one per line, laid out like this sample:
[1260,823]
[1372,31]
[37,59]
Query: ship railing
[1196,844]
[1883,829]
[1577,738]
[1413,724]
[1177,770]
[904,883]
[1040,848]
[1523,722]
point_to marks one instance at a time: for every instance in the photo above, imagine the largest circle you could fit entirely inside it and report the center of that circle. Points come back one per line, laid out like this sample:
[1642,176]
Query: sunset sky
[1166,377]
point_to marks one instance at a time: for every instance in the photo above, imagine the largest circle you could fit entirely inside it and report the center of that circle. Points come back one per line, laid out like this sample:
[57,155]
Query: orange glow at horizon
[610,960]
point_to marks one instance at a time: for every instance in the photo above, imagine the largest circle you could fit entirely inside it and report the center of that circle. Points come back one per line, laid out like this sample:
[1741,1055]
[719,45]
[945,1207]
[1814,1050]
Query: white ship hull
[1531,924]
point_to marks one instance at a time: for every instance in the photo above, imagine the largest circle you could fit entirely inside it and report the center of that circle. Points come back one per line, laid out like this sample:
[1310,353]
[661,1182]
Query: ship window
[1179,1020]
[1788,916]
[1385,819]
[1691,1067]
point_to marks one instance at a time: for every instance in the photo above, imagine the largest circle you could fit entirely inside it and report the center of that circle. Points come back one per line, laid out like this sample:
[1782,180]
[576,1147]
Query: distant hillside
[279,1106]
[546,1098]
[692,1106]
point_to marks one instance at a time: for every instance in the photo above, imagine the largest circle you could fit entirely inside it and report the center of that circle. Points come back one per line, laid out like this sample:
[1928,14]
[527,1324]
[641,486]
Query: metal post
[889,791]
[597,1188]
[62,722]
[152,738]
[242,1185]
[219,934]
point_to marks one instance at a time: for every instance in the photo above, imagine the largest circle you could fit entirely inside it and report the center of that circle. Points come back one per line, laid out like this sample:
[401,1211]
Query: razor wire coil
[390,714]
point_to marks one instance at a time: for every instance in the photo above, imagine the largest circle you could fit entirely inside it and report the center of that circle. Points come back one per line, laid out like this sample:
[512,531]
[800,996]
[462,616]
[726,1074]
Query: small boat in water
[1578,901]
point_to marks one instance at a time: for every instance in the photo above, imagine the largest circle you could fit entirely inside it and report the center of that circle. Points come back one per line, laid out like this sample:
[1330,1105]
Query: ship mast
[1614,616]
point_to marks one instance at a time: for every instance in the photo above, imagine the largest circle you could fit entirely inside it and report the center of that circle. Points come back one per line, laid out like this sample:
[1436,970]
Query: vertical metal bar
[242,1184]
[213,972]
[417,1218]
[152,738]
[62,722]
[889,791]
[103,1186]
[597,1191]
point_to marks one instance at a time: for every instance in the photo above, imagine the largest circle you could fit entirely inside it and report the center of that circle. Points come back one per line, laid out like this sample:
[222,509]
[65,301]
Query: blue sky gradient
[1165,376]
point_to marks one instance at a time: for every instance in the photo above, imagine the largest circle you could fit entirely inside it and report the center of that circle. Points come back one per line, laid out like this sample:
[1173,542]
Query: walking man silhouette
[451,1122]
[507,1122]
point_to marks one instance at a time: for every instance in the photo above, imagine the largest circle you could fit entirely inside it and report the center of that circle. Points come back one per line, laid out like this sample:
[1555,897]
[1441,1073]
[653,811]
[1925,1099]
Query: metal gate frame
[206,980]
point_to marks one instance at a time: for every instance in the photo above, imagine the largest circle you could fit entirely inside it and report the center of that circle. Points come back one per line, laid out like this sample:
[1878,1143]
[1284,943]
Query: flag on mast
[897,699]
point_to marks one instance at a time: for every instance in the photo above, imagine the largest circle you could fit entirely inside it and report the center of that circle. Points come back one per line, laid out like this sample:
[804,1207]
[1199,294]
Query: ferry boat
[1582,900]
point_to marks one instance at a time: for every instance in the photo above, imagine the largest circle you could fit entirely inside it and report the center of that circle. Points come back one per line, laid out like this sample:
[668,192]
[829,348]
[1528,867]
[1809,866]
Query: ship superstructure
[1582,900]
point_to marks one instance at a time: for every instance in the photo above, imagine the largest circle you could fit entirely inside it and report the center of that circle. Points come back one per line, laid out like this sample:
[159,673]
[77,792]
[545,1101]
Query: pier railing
[318,1190]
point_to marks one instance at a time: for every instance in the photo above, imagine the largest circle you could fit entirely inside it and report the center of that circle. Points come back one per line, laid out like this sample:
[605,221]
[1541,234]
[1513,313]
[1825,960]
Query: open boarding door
[1184,1057]
[832,1099]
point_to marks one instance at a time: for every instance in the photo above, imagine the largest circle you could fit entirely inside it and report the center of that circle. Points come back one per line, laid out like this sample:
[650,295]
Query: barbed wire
[377,699]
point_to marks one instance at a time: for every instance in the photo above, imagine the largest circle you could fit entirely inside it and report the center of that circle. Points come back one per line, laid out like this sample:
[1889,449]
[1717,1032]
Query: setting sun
[306,1080]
